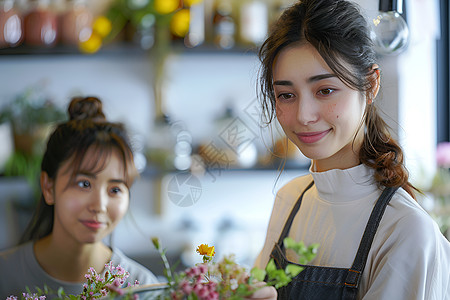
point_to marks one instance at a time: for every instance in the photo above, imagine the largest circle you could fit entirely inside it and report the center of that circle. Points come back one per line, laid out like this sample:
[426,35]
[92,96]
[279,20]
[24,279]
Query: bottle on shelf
[41,24]
[11,24]
[75,22]
[196,34]
[253,22]
[224,24]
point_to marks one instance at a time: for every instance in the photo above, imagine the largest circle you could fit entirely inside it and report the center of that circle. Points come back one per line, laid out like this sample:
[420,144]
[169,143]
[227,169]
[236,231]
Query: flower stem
[166,265]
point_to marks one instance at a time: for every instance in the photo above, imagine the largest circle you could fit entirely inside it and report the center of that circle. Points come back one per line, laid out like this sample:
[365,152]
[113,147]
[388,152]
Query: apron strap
[288,224]
[354,274]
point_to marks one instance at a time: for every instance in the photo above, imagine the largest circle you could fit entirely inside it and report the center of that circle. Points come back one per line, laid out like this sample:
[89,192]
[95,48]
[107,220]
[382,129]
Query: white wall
[417,91]
[121,81]
[408,88]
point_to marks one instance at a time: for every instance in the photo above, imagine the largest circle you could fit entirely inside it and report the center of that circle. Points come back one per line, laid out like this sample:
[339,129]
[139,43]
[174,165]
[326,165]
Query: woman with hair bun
[319,79]
[87,172]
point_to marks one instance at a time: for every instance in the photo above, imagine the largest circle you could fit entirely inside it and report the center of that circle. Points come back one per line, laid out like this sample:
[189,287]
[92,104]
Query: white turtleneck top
[409,257]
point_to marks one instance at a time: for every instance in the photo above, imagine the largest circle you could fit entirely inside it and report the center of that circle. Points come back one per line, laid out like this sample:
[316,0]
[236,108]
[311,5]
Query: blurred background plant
[31,116]
[155,25]
[159,27]
[151,23]
[440,188]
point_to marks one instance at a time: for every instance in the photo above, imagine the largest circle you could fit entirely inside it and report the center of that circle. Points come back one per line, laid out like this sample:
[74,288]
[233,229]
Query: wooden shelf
[122,48]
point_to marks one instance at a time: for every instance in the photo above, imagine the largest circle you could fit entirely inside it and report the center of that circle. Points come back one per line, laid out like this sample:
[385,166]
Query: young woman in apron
[320,80]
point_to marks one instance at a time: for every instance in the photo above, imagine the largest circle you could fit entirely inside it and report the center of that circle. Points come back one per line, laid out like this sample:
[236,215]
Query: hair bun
[82,108]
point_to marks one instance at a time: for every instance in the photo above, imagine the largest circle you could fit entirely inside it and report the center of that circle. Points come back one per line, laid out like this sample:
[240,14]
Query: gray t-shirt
[19,269]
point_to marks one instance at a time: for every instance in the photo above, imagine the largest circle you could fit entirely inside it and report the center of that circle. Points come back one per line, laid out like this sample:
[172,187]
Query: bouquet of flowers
[96,286]
[226,279]
[207,280]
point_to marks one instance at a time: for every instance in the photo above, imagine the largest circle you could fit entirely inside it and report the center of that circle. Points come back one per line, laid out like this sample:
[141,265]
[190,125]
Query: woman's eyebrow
[87,174]
[283,82]
[118,180]
[321,77]
[311,79]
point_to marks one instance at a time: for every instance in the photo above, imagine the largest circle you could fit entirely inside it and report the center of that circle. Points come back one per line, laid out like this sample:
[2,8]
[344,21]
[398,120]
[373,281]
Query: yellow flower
[92,44]
[102,26]
[166,6]
[204,249]
[189,3]
[179,25]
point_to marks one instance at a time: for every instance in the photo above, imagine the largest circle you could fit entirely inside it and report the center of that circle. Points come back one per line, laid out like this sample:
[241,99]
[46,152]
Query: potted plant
[31,116]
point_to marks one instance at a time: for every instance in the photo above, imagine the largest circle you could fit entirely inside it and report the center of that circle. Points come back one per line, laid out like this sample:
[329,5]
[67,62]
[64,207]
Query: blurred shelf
[150,172]
[70,50]
[126,48]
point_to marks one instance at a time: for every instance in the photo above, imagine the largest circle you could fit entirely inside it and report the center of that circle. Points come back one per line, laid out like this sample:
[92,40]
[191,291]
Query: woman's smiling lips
[312,137]
[92,224]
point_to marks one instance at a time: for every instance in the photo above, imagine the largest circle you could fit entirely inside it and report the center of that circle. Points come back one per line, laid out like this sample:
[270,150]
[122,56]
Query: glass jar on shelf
[11,24]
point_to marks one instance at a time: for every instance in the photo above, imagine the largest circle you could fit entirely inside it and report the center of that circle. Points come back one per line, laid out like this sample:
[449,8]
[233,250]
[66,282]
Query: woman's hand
[264,293]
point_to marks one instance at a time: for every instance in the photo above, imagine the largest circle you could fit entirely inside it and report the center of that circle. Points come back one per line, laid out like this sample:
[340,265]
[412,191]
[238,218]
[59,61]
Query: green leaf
[313,248]
[46,289]
[293,270]
[61,292]
[298,247]
[281,278]
[39,291]
[271,266]
[289,242]
[258,274]
[242,288]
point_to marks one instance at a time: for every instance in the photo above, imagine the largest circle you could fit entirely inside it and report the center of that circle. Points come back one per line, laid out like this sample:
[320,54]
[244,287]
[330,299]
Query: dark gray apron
[322,283]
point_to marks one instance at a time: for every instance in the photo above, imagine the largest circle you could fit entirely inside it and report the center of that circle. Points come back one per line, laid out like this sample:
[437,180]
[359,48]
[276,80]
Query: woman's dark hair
[339,32]
[86,129]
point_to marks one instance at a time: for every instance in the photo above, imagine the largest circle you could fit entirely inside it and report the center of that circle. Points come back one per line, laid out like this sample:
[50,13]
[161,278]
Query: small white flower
[234,284]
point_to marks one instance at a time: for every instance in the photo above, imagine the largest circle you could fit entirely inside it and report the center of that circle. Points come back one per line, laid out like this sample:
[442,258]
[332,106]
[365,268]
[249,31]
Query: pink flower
[203,292]
[175,296]
[197,287]
[11,298]
[186,287]
[109,266]
[197,271]
[213,296]
[443,154]
[203,268]
[193,272]
[115,289]
[212,286]
[121,271]
[117,282]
